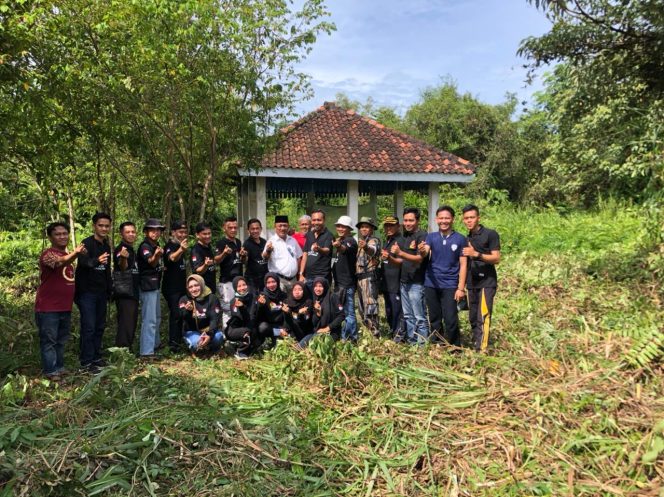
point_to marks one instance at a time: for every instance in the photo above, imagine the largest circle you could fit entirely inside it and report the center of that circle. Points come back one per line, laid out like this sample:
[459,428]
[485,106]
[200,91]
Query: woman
[328,314]
[240,326]
[200,311]
[298,312]
[269,314]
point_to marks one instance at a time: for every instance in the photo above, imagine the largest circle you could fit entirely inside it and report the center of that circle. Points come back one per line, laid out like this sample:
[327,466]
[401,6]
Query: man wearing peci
[283,254]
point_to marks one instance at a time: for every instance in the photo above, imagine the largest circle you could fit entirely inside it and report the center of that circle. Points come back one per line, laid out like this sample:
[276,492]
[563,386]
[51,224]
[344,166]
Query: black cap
[280,219]
[153,223]
[178,225]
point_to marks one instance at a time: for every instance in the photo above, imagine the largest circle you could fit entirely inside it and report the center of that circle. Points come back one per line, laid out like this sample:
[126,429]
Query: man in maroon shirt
[55,296]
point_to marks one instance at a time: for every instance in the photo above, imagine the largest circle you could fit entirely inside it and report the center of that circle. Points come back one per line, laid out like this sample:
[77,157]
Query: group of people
[294,284]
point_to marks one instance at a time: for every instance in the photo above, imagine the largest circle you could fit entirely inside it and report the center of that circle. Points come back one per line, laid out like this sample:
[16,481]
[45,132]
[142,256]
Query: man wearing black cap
[283,254]
[126,302]
[150,268]
[173,286]
[391,283]
[368,261]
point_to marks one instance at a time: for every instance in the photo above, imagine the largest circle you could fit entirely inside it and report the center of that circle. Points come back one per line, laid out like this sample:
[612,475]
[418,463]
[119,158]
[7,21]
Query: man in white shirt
[283,254]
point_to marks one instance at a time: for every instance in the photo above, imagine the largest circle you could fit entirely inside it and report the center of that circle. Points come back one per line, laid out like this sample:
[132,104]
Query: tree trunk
[72,225]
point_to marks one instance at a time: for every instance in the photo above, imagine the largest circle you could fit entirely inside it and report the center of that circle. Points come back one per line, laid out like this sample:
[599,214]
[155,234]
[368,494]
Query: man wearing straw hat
[368,262]
[150,267]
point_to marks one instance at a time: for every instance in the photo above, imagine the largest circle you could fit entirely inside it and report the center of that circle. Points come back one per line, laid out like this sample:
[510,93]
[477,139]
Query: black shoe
[100,363]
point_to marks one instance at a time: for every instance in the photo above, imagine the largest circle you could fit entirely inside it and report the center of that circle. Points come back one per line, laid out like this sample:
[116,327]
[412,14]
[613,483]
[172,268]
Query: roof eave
[282,172]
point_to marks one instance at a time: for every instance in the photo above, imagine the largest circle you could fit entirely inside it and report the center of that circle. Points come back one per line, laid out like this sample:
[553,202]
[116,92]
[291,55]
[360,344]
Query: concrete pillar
[353,199]
[373,201]
[434,202]
[261,202]
[398,201]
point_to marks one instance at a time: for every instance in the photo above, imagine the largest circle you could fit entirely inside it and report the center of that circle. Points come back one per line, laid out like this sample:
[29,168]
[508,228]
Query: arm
[461,286]
[177,255]
[303,264]
[493,257]
[52,260]
[153,260]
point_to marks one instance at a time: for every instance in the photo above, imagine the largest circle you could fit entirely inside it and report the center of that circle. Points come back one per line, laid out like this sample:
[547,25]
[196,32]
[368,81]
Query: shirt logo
[454,247]
[412,245]
[146,251]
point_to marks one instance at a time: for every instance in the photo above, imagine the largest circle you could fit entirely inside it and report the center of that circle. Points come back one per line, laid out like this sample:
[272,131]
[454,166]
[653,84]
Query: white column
[241,206]
[398,201]
[261,202]
[434,202]
[353,199]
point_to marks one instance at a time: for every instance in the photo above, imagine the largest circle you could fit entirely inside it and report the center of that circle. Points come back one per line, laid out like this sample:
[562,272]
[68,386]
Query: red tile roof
[335,139]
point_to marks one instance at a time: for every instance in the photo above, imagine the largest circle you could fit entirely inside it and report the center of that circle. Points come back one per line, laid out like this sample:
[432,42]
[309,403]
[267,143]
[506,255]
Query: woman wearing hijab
[240,326]
[328,315]
[269,314]
[298,312]
[200,312]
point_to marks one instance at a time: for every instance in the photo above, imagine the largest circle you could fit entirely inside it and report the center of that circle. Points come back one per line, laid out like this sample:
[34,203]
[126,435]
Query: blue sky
[392,49]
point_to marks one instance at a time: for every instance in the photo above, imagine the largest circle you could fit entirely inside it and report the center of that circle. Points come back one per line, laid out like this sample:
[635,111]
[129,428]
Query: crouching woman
[201,314]
[240,327]
[328,315]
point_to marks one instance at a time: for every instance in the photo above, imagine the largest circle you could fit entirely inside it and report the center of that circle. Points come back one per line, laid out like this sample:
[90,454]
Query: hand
[336,243]
[184,244]
[301,278]
[285,308]
[361,244]
[158,251]
[261,299]
[238,303]
[204,341]
[383,254]
[395,250]
[80,249]
[283,333]
[315,247]
[103,258]
[423,248]
[208,262]
[124,253]
[227,250]
[459,294]
[325,330]
[470,251]
[304,310]
[269,247]
[189,305]
[243,252]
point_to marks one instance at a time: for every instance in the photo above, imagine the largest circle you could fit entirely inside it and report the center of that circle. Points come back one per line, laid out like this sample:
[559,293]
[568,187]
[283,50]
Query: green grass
[559,406]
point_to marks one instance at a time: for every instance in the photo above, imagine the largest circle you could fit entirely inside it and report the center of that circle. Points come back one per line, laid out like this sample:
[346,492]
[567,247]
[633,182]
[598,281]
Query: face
[255,230]
[194,288]
[318,289]
[298,292]
[342,231]
[128,234]
[230,229]
[59,237]
[409,222]
[271,284]
[241,286]
[391,229]
[304,225]
[281,229]
[205,236]
[444,220]
[471,219]
[180,235]
[366,230]
[102,227]
[153,234]
[317,221]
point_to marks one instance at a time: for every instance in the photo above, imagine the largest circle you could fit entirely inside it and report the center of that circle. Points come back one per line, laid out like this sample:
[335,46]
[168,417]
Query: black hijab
[296,304]
[246,297]
[278,295]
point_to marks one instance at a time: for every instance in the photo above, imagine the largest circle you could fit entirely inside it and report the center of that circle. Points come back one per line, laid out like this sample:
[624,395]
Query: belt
[285,277]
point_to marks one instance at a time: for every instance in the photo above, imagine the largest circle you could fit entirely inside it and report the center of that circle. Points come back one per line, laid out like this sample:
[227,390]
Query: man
[483,252]
[283,254]
[317,254]
[202,257]
[445,277]
[343,270]
[368,262]
[303,225]
[405,252]
[124,261]
[55,296]
[173,286]
[391,284]
[256,266]
[150,268]
[93,289]
[230,257]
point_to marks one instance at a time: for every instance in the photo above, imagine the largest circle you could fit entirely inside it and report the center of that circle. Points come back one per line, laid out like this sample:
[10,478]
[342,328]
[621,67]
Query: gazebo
[334,152]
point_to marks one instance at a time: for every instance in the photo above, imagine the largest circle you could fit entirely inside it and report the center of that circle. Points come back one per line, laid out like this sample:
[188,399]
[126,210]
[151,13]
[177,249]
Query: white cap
[345,221]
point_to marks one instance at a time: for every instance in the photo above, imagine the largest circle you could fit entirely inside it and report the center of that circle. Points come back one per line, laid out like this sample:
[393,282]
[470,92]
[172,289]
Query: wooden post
[261,202]
[353,196]
[434,194]
[398,201]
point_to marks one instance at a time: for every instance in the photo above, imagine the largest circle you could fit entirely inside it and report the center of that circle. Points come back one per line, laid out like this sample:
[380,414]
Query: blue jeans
[191,339]
[54,328]
[92,307]
[349,328]
[150,321]
[414,313]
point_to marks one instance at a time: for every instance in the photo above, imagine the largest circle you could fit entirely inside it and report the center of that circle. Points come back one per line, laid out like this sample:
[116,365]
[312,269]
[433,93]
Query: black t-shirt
[482,274]
[205,314]
[150,276]
[92,276]
[175,272]
[231,265]
[344,263]
[198,254]
[412,272]
[256,265]
[391,271]
[131,263]
[318,264]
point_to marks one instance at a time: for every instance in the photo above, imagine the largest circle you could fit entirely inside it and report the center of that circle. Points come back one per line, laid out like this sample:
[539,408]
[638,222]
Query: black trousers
[394,313]
[480,308]
[443,311]
[174,320]
[298,329]
[127,320]
[245,336]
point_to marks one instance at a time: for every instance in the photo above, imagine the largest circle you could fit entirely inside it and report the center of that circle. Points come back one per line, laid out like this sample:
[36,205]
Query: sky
[391,50]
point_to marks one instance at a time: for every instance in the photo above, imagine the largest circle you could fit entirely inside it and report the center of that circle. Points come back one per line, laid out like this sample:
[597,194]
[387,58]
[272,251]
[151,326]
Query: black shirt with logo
[231,265]
[256,265]
[318,264]
[131,263]
[391,271]
[198,254]
[344,264]
[482,274]
[175,272]
[91,275]
[150,276]
[412,272]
